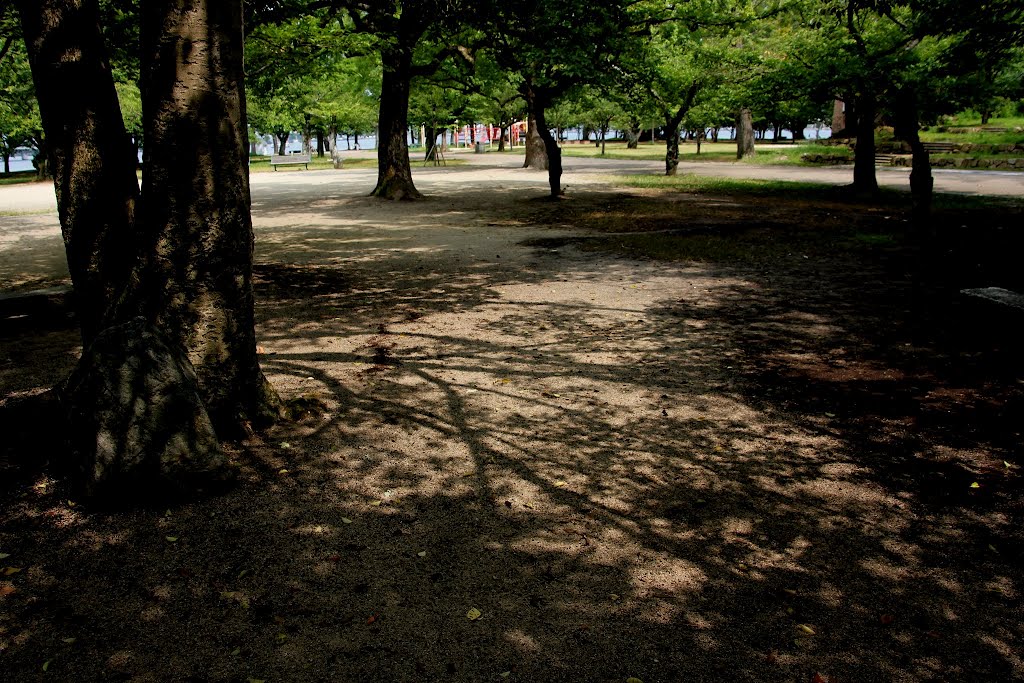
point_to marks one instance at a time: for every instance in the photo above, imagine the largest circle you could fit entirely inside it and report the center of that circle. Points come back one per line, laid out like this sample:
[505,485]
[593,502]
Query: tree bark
[198,276]
[907,128]
[864,178]
[394,172]
[552,151]
[430,142]
[536,150]
[672,122]
[744,134]
[88,149]
[282,139]
[633,135]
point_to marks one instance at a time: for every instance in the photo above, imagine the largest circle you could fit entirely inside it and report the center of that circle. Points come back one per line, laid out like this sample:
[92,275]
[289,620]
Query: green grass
[765,153]
[886,197]
[261,164]
[698,184]
[20,178]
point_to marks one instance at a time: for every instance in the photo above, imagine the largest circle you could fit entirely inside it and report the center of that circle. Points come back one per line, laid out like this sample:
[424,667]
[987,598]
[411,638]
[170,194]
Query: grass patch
[20,178]
[698,184]
[261,164]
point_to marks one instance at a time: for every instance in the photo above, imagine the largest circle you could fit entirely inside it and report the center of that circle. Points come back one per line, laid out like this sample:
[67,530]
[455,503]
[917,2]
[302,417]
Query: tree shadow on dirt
[672,472]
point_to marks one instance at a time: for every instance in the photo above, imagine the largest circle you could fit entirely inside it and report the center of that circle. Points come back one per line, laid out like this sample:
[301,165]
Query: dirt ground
[527,452]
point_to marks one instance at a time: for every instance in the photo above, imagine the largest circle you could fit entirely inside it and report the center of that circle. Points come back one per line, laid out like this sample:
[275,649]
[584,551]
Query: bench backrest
[290,159]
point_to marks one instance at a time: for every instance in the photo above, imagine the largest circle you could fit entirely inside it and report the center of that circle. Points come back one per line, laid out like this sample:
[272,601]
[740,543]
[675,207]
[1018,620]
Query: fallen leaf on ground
[69,641]
[807,629]
[376,503]
[505,674]
[473,614]
[560,484]
[10,571]
[285,444]
[282,471]
[886,619]
[237,651]
[171,539]
[975,485]
[422,553]
[818,678]
[6,590]
[46,665]
[633,679]
[282,638]
[346,520]
[528,505]
[235,596]
[372,618]
[614,597]
[4,556]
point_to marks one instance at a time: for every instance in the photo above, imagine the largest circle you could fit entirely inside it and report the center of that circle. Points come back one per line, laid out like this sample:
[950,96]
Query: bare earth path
[521,463]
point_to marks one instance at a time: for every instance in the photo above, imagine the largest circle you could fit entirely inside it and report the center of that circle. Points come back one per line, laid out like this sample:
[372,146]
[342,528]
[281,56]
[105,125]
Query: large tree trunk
[307,136]
[535,106]
[921,182]
[501,138]
[86,144]
[281,139]
[672,122]
[633,134]
[744,134]
[864,178]
[536,152]
[394,172]
[430,142]
[198,284]
[552,151]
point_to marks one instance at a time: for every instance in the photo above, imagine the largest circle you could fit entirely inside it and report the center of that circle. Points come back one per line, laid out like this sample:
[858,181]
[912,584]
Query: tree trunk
[672,121]
[744,135]
[552,151]
[430,143]
[501,138]
[986,116]
[906,128]
[198,278]
[633,135]
[282,139]
[307,136]
[7,162]
[319,143]
[536,150]
[94,171]
[714,134]
[394,172]
[538,125]
[864,178]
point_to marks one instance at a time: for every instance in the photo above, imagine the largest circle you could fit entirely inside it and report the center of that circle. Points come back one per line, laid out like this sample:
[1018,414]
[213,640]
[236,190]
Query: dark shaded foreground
[759,472]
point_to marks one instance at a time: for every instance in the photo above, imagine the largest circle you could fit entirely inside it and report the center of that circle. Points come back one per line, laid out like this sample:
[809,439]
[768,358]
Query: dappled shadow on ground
[673,472]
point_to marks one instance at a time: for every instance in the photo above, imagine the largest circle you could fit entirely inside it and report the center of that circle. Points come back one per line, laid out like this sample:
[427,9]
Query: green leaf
[473,614]
[46,665]
[171,539]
